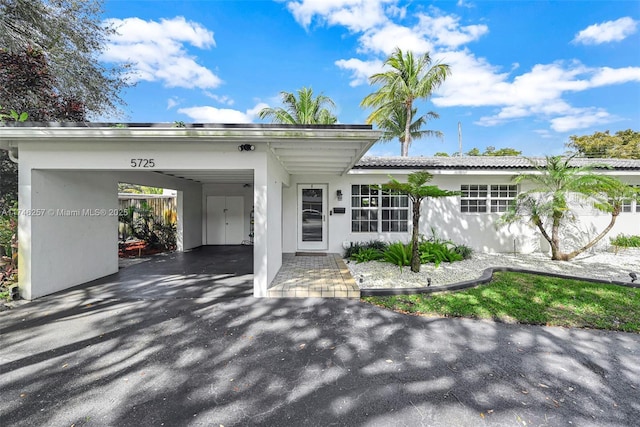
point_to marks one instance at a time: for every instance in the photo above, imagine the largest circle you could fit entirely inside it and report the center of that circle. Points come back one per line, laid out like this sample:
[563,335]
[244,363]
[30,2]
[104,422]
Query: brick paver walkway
[306,275]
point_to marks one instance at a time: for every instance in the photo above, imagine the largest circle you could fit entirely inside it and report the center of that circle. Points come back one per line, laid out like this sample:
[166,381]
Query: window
[627,205]
[486,198]
[374,210]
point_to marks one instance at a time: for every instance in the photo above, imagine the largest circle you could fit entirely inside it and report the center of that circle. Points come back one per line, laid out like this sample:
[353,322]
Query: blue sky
[525,74]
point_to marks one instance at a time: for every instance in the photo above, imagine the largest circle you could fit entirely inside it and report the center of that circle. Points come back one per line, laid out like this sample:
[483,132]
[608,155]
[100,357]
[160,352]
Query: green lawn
[530,299]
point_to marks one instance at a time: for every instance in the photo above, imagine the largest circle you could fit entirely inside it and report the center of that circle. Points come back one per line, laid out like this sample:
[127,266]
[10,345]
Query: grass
[530,299]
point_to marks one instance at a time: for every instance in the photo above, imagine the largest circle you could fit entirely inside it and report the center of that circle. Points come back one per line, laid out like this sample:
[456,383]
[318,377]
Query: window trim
[480,198]
[378,210]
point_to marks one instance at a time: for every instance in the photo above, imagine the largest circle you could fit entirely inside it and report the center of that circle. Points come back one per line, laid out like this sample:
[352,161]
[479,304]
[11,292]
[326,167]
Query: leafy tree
[409,79]
[303,109]
[72,35]
[27,85]
[417,191]
[395,126]
[441,154]
[624,144]
[546,205]
[491,151]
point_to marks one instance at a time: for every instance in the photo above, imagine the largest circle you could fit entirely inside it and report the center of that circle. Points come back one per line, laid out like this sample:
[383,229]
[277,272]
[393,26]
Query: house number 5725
[142,163]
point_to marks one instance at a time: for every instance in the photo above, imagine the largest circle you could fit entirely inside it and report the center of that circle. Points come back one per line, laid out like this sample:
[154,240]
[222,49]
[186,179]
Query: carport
[68,175]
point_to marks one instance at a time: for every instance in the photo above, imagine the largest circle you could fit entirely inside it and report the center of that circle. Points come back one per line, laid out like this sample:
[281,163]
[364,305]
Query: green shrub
[356,247]
[366,254]
[398,254]
[352,250]
[463,250]
[626,241]
[437,252]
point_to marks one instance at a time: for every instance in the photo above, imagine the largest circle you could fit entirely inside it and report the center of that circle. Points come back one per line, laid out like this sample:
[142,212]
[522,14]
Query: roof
[318,149]
[483,162]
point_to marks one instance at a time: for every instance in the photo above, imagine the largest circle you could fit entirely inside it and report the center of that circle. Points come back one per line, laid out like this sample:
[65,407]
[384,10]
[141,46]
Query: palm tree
[394,125]
[303,109]
[408,79]
[416,190]
[546,205]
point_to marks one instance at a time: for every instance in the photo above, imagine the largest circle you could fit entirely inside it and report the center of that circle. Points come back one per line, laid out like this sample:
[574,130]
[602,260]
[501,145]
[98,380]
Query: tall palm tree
[408,79]
[303,109]
[395,125]
[546,204]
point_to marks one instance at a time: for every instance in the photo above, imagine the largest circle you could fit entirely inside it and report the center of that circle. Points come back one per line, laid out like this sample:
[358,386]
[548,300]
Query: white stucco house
[283,188]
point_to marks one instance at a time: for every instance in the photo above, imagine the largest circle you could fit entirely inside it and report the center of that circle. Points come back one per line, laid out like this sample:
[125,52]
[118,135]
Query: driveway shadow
[302,362]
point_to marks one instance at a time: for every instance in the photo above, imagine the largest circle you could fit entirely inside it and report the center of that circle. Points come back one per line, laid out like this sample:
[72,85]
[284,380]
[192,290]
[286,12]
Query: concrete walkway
[311,275]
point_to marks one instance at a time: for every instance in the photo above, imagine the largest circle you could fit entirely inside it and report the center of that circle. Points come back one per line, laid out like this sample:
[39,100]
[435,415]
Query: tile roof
[482,162]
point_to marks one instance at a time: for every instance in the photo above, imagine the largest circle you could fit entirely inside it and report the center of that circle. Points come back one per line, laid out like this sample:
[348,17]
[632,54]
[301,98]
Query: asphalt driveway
[92,358]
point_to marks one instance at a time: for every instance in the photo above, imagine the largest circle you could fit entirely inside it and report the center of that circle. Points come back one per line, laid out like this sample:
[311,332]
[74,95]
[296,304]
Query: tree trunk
[556,254]
[589,245]
[415,233]
[404,152]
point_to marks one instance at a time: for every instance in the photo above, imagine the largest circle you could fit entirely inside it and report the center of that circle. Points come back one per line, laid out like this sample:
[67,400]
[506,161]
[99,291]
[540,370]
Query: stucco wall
[477,230]
[75,239]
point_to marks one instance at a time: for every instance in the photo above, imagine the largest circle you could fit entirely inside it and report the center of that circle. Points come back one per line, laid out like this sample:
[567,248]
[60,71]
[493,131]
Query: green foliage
[531,299]
[398,254]
[395,125]
[71,35]
[367,254]
[441,154]
[363,252]
[464,251]
[625,241]
[437,252]
[305,109]
[137,189]
[8,250]
[408,78]
[546,204]
[492,152]
[142,224]
[624,144]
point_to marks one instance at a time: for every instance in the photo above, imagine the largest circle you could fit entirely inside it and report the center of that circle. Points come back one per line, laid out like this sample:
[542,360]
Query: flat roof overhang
[312,149]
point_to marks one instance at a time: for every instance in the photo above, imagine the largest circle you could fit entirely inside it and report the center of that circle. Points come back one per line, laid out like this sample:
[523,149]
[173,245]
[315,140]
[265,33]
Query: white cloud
[360,70]
[386,38]
[172,102]
[445,30]
[581,118]
[222,99]
[356,15]
[606,32]
[515,93]
[208,114]
[157,51]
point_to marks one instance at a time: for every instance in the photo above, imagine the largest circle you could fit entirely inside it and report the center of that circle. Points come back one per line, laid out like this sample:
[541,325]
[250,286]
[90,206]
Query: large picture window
[478,198]
[374,210]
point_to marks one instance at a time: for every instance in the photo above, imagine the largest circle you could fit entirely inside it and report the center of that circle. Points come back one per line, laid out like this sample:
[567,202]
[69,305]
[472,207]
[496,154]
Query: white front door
[225,220]
[312,217]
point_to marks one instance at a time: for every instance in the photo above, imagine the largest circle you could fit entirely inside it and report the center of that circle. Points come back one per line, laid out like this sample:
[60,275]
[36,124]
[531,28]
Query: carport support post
[260,242]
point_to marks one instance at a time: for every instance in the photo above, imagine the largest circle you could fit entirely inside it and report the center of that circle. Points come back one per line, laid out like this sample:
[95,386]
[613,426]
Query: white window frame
[487,198]
[372,202]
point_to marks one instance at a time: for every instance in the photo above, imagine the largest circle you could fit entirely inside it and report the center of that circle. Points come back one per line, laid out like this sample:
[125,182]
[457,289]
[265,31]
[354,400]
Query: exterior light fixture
[246,147]
[633,276]
[339,194]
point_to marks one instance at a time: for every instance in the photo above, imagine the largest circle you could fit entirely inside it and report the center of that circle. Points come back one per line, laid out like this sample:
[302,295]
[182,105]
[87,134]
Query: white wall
[477,230]
[76,167]
[229,190]
[73,236]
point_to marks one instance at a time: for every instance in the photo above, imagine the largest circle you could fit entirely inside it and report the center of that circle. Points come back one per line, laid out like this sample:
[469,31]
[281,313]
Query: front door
[312,217]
